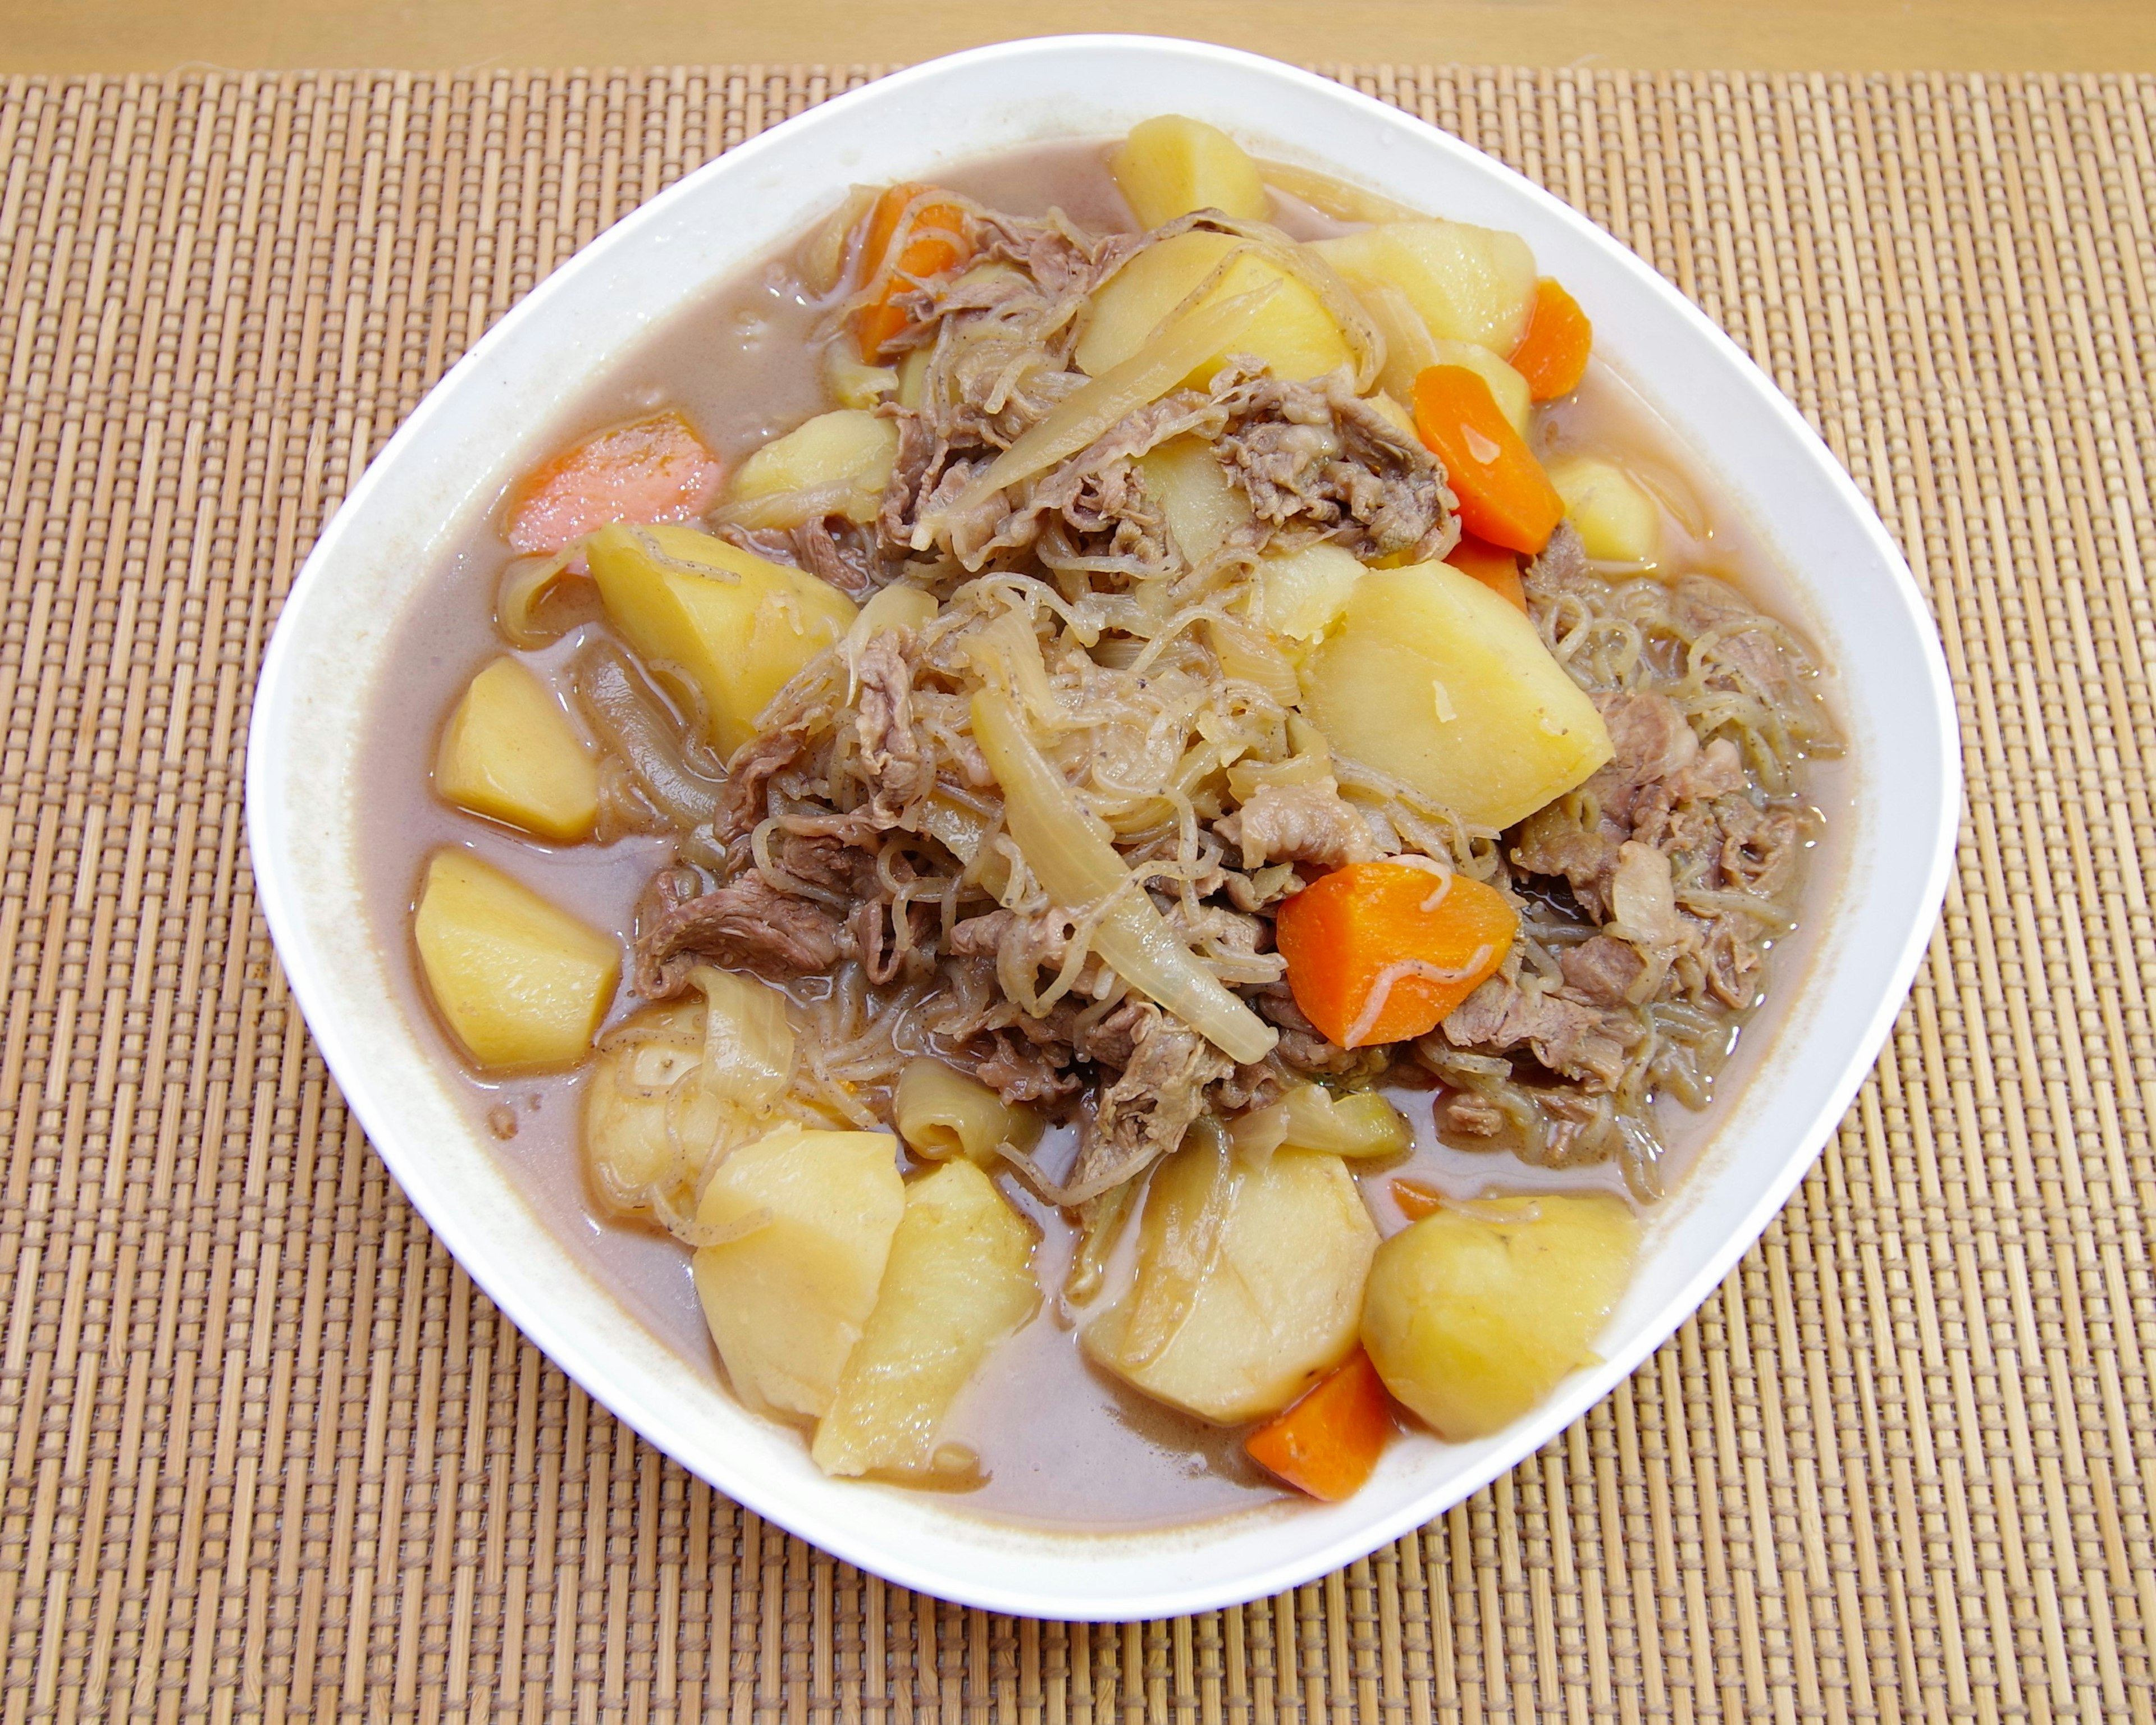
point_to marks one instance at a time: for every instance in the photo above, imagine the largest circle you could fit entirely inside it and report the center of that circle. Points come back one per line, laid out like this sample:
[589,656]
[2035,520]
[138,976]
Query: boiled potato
[1474,1313]
[1171,166]
[736,624]
[520,982]
[1410,350]
[845,457]
[1301,595]
[638,1114]
[1203,506]
[1470,283]
[959,1279]
[804,1221]
[1433,678]
[1507,387]
[1292,333]
[1616,518]
[1248,1281]
[852,382]
[511,752]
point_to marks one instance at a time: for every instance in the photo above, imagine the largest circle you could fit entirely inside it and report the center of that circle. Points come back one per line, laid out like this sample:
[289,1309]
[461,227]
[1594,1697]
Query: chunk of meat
[1470,1113]
[1301,823]
[1602,970]
[1567,1036]
[747,924]
[1145,1112]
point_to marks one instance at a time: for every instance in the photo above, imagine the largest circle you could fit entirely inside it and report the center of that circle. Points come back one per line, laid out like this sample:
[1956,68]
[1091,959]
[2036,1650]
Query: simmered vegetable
[1553,355]
[520,982]
[1248,1281]
[1495,567]
[1474,1312]
[510,753]
[1301,595]
[959,1279]
[1309,1116]
[1616,519]
[942,1113]
[1293,333]
[1469,283]
[833,464]
[1204,509]
[935,244]
[652,469]
[639,1116]
[1505,496]
[800,1224]
[1170,166]
[1328,1443]
[1434,679]
[739,626]
[1381,952]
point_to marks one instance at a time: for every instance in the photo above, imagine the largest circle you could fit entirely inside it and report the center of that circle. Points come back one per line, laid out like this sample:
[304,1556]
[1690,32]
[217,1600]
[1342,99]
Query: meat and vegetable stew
[1170,728]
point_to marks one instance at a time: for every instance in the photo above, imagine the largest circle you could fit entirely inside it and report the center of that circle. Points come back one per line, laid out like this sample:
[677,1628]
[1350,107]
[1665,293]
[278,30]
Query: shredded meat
[1303,823]
[892,754]
[1602,970]
[1568,1036]
[1145,1112]
[747,924]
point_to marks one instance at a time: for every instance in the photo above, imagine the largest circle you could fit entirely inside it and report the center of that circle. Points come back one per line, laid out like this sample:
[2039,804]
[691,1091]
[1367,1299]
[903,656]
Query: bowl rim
[1173,1587]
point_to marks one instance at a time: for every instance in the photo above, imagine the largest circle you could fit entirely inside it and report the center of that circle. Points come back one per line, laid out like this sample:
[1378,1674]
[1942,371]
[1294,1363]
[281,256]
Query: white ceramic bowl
[1891,835]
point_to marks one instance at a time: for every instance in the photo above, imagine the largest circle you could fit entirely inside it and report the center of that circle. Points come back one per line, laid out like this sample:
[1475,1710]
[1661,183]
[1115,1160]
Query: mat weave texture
[266,1451]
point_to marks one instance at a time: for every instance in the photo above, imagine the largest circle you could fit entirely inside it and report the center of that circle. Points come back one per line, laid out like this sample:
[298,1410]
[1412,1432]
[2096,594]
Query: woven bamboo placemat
[268,1452]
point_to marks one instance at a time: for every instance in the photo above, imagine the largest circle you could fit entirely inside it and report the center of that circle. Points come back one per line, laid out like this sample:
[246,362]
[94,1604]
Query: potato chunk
[1302,594]
[1170,166]
[511,753]
[739,626]
[835,464]
[1203,505]
[1616,518]
[1475,1313]
[958,1280]
[1470,283]
[1293,333]
[520,982]
[644,1106]
[1433,678]
[1249,1283]
[804,1221]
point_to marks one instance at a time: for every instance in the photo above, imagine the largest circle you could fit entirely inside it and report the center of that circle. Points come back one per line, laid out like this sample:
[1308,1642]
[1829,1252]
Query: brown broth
[1108,1458]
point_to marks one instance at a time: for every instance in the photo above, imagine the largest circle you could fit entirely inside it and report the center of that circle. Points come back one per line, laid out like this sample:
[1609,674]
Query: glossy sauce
[739,368]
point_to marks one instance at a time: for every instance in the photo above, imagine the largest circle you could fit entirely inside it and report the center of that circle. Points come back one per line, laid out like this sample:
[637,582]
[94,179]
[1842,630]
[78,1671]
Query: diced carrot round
[1328,1443]
[651,469]
[1505,496]
[935,245]
[1553,355]
[1380,951]
[1495,567]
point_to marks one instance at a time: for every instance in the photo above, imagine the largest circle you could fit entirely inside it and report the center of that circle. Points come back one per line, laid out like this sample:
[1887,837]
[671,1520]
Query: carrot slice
[1505,496]
[1553,355]
[1495,567]
[1417,1199]
[1328,1443]
[1379,951]
[935,244]
[654,470]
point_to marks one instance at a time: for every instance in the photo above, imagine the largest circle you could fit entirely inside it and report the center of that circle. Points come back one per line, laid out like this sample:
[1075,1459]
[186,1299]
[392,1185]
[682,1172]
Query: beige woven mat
[266,1450]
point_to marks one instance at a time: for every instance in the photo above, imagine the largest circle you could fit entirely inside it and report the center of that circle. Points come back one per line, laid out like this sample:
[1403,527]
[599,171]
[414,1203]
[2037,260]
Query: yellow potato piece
[805,1220]
[511,753]
[1292,333]
[1203,506]
[1474,1314]
[1249,1283]
[739,626]
[520,982]
[1618,520]
[1171,166]
[636,1084]
[1434,679]
[846,457]
[1470,283]
[958,1280]
[1507,387]
[1302,594]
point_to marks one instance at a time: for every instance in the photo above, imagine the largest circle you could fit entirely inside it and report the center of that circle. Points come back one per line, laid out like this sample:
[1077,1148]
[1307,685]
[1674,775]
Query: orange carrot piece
[1328,1443]
[1553,355]
[935,245]
[1417,1199]
[1379,951]
[1495,567]
[1505,496]
[654,470]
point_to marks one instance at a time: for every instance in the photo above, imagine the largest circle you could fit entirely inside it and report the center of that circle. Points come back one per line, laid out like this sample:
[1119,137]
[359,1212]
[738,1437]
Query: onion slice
[1079,869]
[1100,406]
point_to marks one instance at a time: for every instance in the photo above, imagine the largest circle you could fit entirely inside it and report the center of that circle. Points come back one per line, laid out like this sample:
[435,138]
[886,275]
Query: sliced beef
[747,924]
[1145,1112]
[1303,823]
[891,755]
[1568,1036]
[1603,970]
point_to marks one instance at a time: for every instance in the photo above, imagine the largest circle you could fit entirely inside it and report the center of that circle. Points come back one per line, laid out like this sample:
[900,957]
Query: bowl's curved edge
[834,1530]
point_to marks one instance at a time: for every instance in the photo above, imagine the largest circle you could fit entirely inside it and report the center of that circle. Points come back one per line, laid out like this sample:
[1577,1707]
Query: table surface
[1791,35]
